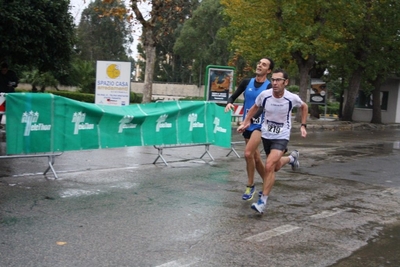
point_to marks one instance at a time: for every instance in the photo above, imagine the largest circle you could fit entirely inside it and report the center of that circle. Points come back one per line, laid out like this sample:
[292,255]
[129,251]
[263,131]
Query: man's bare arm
[247,120]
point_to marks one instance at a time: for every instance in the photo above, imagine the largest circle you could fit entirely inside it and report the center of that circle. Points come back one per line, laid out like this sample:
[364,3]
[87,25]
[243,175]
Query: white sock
[291,159]
[264,198]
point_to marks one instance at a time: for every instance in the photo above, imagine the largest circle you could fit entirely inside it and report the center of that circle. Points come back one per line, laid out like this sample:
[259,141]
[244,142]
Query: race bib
[274,127]
[255,120]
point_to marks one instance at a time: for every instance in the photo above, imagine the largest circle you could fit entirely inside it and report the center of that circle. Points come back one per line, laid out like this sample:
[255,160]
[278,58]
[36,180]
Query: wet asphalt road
[116,208]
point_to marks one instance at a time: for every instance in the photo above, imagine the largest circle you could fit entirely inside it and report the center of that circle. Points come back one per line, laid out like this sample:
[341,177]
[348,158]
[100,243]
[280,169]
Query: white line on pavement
[180,263]
[272,233]
[328,213]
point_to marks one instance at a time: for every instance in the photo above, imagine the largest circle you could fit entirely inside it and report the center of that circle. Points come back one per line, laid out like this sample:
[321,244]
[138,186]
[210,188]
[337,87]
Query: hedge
[84,97]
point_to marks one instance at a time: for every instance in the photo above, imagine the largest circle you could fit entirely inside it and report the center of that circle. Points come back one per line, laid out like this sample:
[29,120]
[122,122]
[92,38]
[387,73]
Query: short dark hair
[285,75]
[271,63]
[4,65]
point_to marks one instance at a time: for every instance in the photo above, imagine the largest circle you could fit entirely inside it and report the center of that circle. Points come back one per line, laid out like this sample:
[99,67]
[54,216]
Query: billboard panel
[219,83]
[318,91]
[113,83]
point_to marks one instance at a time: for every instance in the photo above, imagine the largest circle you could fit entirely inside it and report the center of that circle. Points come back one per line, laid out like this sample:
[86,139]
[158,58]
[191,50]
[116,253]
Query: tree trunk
[314,111]
[352,93]
[150,48]
[376,105]
[341,99]
[341,102]
[304,68]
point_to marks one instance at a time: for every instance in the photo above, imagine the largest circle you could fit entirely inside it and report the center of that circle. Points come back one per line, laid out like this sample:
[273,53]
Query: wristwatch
[303,124]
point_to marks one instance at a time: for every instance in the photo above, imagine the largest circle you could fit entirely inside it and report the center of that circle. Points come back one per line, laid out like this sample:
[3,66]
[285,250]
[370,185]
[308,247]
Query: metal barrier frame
[50,157]
[161,148]
[233,148]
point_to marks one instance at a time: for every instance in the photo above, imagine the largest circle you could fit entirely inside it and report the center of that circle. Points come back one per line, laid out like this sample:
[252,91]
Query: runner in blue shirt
[251,88]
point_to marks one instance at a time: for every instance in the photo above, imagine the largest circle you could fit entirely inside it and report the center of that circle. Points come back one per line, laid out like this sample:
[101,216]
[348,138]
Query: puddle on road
[381,251]
[340,153]
[381,148]
[384,148]
[347,153]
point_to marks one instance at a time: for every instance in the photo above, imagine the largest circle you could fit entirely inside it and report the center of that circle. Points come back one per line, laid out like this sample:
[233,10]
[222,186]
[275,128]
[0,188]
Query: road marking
[328,213]
[272,233]
[180,263]
[78,192]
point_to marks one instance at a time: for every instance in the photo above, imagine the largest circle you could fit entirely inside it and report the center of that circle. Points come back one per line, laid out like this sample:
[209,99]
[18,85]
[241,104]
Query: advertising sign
[113,83]
[318,91]
[219,83]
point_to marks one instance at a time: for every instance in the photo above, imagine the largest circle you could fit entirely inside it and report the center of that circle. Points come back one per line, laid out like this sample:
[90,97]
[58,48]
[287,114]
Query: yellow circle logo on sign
[113,71]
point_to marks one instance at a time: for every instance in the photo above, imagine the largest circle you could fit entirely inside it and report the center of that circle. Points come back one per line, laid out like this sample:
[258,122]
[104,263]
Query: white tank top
[277,113]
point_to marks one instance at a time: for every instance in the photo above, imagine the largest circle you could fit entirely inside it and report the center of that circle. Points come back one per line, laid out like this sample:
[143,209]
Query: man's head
[264,66]
[4,67]
[279,80]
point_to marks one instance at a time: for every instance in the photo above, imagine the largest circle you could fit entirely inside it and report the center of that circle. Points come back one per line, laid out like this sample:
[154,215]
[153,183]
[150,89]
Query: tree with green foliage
[169,66]
[292,32]
[359,40]
[37,34]
[370,51]
[39,79]
[154,28]
[199,43]
[103,32]
[83,73]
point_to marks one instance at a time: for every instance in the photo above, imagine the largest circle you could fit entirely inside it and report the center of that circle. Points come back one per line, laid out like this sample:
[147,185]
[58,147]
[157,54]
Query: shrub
[332,108]
[293,88]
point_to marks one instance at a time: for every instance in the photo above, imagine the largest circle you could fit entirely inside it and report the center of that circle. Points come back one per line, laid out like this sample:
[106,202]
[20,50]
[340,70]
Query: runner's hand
[303,132]
[243,126]
[229,107]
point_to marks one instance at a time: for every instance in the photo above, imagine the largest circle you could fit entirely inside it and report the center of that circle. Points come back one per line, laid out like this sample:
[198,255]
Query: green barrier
[41,123]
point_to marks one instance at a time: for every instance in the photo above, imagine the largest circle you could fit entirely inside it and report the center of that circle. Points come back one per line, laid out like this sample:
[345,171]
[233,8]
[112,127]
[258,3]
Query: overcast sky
[76,7]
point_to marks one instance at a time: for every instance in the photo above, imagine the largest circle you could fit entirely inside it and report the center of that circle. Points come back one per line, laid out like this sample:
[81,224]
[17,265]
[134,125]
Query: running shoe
[249,193]
[259,206]
[296,164]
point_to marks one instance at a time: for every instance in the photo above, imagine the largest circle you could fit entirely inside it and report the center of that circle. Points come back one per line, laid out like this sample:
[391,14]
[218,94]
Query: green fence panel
[29,123]
[121,126]
[76,124]
[39,123]
[159,128]
[191,123]
[222,129]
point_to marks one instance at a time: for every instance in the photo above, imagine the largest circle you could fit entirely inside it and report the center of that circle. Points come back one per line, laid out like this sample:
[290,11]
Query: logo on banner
[126,123]
[192,118]
[31,118]
[161,123]
[79,119]
[217,128]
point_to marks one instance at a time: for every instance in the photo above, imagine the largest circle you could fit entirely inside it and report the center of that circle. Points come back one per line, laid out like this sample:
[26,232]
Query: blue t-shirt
[250,95]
